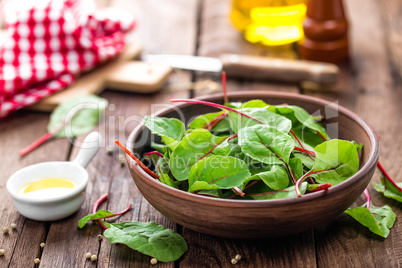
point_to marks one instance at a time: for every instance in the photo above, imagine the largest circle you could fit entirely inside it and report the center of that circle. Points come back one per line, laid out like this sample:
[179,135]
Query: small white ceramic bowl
[54,208]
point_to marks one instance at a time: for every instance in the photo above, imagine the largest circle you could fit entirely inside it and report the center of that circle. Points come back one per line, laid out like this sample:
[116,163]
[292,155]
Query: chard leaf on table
[266,144]
[336,160]
[85,110]
[388,189]
[100,214]
[258,116]
[378,219]
[195,146]
[217,172]
[148,238]
[276,178]
[171,130]
[264,193]
[202,120]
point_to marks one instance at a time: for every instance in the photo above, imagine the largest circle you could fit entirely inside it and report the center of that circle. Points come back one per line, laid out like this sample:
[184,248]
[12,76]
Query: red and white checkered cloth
[49,42]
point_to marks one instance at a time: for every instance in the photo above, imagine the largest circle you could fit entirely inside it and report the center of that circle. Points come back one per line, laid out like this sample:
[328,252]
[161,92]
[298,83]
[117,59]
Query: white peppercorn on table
[369,84]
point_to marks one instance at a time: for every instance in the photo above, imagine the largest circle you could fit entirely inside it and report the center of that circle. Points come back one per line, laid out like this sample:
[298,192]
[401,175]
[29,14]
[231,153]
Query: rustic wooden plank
[16,132]
[378,103]
[208,251]
[392,11]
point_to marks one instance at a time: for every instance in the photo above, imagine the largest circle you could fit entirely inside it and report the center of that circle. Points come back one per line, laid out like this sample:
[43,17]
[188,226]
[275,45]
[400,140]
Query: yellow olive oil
[269,22]
[48,187]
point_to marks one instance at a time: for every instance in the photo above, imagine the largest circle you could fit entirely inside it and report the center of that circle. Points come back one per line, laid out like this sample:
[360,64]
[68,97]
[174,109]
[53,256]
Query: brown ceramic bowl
[267,218]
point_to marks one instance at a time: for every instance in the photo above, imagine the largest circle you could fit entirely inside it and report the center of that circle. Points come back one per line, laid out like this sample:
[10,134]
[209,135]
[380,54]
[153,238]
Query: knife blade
[255,67]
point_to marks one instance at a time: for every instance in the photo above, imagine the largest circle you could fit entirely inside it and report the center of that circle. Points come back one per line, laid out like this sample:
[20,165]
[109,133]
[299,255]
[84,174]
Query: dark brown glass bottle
[325,29]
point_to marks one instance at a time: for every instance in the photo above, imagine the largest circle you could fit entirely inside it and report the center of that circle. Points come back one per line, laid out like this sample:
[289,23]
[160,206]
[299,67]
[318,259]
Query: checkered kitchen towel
[49,42]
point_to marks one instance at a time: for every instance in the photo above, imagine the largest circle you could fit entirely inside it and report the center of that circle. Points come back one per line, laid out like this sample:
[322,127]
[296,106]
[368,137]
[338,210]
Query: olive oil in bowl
[48,188]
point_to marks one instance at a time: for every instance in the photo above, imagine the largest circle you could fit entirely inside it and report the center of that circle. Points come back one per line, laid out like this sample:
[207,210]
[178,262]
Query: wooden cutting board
[123,72]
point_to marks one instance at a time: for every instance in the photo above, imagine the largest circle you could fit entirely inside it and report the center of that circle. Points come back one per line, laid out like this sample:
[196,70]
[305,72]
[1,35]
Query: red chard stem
[147,170]
[217,106]
[95,208]
[366,193]
[225,94]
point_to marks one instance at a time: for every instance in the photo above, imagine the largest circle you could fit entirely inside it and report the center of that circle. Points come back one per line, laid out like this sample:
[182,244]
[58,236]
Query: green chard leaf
[305,159]
[388,189]
[171,130]
[100,214]
[202,120]
[254,104]
[258,116]
[166,179]
[148,238]
[161,165]
[264,193]
[303,117]
[217,172]
[378,219]
[336,161]
[85,110]
[296,165]
[266,144]
[195,146]
[276,178]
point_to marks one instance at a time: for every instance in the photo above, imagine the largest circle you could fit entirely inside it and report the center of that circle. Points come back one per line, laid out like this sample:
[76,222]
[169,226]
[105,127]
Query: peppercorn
[234,261]
[154,261]
[6,230]
[122,160]
[2,252]
[238,257]
[13,225]
[88,255]
[37,261]
[100,237]
[94,258]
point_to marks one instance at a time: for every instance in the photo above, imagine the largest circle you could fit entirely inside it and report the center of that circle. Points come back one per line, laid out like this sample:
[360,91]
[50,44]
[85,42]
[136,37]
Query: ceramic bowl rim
[372,159]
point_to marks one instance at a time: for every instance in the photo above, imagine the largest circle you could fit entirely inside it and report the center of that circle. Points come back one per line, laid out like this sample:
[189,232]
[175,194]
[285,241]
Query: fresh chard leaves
[197,145]
[148,238]
[85,112]
[336,160]
[204,121]
[264,192]
[389,189]
[256,116]
[279,145]
[217,172]
[378,219]
[171,130]
[266,144]
[276,178]
[100,214]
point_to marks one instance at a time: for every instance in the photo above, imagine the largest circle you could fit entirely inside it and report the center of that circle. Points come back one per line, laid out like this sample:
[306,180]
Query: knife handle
[266,68]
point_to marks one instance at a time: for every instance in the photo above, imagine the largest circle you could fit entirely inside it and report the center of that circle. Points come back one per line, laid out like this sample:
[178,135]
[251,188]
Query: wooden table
[369,84]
